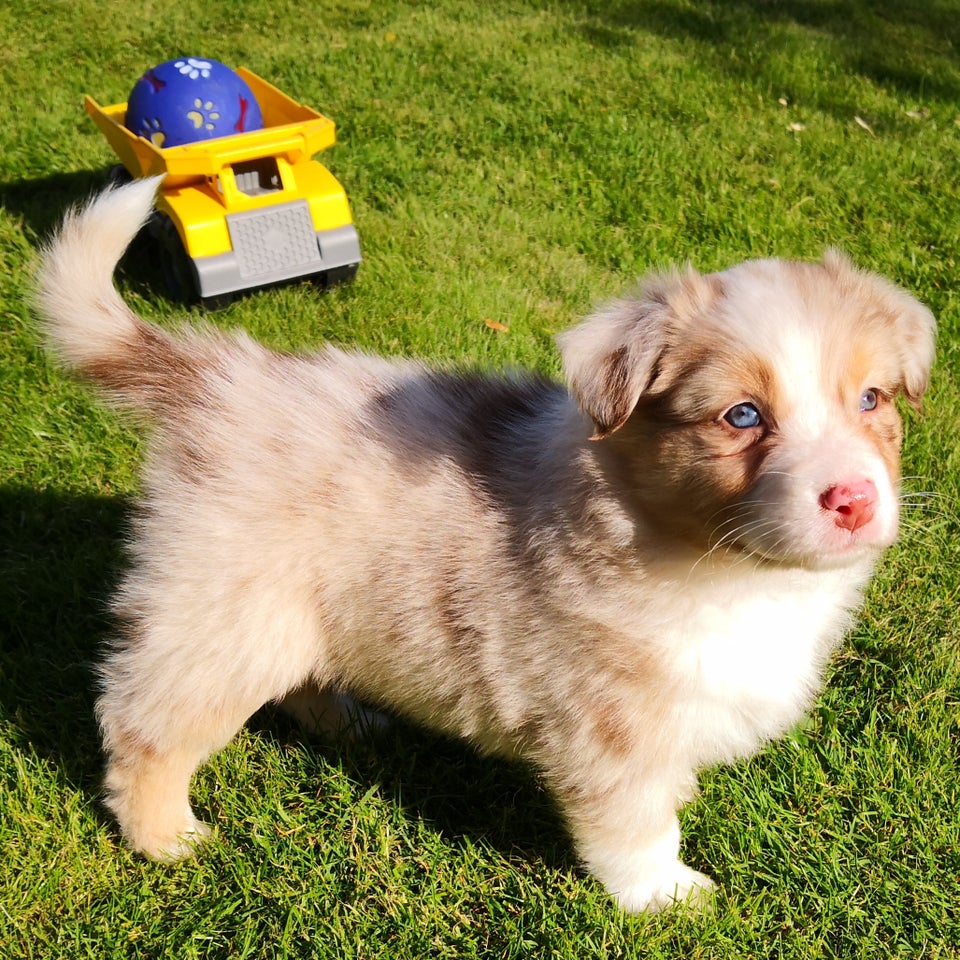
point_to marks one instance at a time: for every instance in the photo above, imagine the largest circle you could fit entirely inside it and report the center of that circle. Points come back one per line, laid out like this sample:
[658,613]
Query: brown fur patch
[685,458]
[617,399]
[154,371]
[191,460]
[871,361]
[612,730]
[131,747]
[462,635]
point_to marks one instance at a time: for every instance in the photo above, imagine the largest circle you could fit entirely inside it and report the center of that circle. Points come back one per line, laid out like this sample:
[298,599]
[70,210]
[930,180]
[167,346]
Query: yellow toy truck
[246,210]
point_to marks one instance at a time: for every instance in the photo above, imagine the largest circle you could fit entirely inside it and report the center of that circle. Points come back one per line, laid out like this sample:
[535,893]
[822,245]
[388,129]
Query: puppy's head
[754,408]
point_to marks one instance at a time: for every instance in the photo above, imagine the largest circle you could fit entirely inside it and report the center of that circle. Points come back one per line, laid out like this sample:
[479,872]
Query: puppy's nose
[852,502]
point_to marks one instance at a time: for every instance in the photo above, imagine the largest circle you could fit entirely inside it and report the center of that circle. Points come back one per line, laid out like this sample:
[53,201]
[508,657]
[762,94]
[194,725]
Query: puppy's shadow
[443,782]
[41,202]
[60,555]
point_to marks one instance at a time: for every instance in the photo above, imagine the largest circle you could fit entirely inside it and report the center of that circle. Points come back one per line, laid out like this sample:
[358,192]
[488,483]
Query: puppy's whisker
[733,538]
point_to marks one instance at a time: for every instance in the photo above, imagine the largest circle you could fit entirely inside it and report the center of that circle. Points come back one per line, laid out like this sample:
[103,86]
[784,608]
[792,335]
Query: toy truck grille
[269,243]
[274,244]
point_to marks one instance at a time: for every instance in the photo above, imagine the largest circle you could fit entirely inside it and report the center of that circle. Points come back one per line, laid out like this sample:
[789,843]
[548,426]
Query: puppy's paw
[330,715]
[169,846]
[678,886]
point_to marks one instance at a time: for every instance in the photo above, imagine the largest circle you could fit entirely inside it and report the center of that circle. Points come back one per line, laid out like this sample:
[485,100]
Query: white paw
[678,886]
[338,715]
[169,848]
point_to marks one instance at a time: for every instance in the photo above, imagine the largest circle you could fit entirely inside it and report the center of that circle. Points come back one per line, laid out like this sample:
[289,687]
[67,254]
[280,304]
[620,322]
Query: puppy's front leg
[629,838]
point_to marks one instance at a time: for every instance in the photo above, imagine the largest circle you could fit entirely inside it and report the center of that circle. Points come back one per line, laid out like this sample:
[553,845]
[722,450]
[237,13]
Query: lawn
[509,164]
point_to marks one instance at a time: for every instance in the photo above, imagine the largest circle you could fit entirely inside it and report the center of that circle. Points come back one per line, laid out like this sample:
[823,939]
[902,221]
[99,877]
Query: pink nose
[852,502]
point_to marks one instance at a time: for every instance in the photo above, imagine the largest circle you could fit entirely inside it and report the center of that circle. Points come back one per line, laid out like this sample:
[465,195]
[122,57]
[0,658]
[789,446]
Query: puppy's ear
[614,356]
[912,326]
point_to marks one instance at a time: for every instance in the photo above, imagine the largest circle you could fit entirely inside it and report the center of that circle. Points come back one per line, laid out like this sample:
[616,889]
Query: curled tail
[87,323]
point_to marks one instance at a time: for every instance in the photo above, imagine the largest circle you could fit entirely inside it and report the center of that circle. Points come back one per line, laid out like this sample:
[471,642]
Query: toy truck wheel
[118,175]
[219,302]
[335,276]
[178,270]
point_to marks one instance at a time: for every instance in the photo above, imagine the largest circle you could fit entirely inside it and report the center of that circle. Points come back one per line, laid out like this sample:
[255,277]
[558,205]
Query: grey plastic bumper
[272,245]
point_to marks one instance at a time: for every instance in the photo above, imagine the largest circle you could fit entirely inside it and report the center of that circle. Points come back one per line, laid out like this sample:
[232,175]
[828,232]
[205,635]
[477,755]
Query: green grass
[513,161]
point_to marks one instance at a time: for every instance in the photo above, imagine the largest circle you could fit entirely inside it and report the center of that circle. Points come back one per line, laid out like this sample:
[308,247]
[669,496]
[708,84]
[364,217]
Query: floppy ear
[612,357]
[912,326]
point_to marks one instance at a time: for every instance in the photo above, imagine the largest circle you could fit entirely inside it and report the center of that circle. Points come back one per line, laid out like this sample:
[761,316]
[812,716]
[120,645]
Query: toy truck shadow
[246,211]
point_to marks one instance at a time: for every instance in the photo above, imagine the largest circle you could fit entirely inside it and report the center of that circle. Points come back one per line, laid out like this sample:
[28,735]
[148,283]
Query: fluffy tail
[87,323]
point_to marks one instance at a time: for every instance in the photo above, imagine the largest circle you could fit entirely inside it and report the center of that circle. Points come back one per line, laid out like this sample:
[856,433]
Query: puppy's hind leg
[173,694]
[147,790]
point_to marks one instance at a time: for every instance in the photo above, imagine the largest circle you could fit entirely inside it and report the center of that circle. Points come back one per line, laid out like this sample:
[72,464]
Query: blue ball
[189,99]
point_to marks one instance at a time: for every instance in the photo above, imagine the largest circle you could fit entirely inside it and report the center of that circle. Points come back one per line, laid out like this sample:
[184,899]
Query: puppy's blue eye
[743,416]
[868,400]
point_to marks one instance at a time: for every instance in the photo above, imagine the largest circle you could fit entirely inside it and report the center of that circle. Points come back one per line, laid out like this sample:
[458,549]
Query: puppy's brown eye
[743,416]
[868,400]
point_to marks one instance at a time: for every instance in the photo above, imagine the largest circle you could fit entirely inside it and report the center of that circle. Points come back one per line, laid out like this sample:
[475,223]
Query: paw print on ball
[153,132]
[203,115]
[193,68]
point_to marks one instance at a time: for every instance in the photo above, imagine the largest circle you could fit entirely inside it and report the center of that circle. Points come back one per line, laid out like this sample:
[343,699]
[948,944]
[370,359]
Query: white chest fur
[744,651]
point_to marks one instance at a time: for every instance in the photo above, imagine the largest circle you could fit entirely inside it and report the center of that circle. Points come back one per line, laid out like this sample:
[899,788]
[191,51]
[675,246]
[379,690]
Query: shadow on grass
[60,556]
[41,204]
[464,796]
[897,44]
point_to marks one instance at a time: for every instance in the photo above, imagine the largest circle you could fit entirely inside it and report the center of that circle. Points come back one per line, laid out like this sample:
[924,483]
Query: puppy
[623,580]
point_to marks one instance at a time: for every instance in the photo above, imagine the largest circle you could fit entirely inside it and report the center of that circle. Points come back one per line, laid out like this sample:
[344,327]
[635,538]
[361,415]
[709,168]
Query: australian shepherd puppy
[622,580]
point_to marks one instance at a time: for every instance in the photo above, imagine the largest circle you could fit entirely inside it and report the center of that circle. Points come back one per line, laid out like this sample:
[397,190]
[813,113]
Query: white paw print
[193,68]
